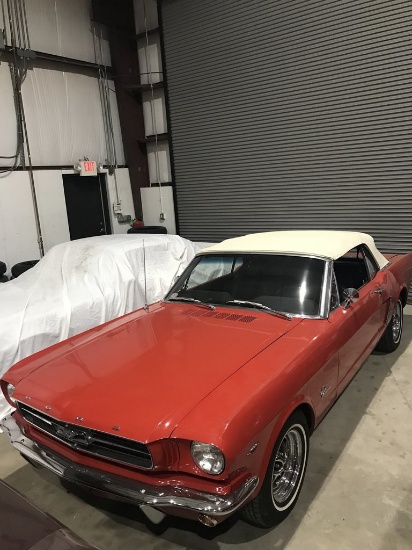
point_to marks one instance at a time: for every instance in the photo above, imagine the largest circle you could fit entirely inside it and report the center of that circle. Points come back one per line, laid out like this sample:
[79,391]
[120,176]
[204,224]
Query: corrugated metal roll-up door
[291,115]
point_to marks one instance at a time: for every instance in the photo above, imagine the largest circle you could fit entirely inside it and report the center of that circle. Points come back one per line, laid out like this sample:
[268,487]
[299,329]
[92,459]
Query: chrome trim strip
[326,291]
[266,253]
[39,417]
[127,489]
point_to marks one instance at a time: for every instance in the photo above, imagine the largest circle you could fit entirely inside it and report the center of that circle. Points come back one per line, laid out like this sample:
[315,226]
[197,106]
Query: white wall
[8,123]
[18,236]
[61,27]
[63,109]
[154,112]
[150,59]
[158,159]
[64,118]
[157,200]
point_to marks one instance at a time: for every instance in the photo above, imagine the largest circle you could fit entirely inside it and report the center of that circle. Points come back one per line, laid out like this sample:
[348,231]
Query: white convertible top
[327,244]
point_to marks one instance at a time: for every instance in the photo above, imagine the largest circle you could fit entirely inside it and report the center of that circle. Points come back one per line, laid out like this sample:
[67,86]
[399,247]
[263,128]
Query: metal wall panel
[291,115]
[8,132]
[60,27]
[65,120]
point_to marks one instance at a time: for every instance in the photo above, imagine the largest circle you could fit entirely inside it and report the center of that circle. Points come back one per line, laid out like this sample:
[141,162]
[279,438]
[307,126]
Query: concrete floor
[357,493]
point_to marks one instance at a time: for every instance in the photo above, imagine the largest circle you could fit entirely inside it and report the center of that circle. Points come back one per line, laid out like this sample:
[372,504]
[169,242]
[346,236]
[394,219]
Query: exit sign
[88,168]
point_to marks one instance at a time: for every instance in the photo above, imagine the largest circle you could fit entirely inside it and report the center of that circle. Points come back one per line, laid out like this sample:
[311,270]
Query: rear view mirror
[350,295]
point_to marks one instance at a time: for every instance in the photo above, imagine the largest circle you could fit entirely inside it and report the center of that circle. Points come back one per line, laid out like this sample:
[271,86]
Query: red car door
[355,327]
[359,325]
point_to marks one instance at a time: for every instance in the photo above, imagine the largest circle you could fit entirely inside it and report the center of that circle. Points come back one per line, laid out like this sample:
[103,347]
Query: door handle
[379,290]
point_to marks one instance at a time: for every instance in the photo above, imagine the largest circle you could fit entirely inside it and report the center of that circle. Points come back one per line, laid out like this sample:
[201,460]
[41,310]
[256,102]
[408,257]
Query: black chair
[3,269]
[154,229]
[22,267]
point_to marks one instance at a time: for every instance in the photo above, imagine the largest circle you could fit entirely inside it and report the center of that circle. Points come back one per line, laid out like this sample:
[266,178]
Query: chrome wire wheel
[284,476]
[392,335]
[288,467]
[397,323]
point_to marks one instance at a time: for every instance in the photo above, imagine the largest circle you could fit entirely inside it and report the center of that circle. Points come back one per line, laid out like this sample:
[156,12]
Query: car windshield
[284,283]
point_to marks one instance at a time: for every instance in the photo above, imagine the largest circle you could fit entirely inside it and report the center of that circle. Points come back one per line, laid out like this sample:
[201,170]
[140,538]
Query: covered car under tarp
[81,284]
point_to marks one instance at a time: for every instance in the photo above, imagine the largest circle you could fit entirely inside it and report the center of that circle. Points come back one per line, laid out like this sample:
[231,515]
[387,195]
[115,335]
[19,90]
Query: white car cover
[81,284]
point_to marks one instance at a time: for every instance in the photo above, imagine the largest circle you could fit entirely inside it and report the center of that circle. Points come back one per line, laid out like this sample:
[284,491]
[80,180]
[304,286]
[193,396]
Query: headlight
[208,457]
[10,390]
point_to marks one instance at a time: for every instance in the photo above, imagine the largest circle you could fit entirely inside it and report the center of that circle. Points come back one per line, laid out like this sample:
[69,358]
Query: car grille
[90,441]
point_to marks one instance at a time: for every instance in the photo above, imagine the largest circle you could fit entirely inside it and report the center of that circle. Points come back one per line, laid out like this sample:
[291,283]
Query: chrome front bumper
[139,493]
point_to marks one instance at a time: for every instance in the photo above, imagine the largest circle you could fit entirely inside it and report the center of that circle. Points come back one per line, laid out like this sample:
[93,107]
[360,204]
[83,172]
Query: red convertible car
[203,404]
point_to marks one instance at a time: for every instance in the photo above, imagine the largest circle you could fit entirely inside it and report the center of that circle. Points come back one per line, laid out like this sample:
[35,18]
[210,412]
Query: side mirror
[351,295]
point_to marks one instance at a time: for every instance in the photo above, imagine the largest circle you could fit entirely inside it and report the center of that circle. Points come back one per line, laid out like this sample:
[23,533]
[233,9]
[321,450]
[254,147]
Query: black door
[87,205]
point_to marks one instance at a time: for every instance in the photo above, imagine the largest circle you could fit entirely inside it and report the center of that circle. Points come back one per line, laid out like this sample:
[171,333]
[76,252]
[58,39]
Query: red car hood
[147,374]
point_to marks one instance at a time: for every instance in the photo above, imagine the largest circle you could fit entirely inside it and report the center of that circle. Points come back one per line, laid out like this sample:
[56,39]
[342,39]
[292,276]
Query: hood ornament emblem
[73,436]
[67,433]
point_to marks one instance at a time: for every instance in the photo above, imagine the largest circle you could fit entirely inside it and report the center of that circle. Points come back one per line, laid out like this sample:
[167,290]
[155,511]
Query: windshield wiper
[260,306]
[192,300]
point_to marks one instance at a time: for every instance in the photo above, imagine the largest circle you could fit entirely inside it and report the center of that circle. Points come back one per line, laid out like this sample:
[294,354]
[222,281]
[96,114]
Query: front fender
[244,415]
[299,402]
